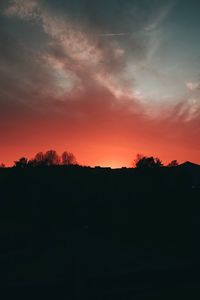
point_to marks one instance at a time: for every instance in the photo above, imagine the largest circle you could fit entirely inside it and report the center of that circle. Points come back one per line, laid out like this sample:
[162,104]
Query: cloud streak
[81,53]
[115,34]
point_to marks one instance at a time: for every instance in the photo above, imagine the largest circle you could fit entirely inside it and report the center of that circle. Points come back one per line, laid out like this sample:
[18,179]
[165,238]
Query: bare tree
[39,159]
[68,158]
[51,158]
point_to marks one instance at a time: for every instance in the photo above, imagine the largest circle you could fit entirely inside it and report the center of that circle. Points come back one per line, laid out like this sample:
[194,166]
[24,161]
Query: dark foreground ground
[79,233]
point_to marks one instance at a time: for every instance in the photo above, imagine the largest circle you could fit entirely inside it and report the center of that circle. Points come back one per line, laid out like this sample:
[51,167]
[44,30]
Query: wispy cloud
[78,58]
[24,9]
[193,86]
[161,16]
[81,52]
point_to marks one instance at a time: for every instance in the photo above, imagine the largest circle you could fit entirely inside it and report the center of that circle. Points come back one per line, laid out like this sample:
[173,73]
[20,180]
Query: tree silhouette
[173,163]
[51,158]
[2,166]
[68,158]
[142,161]
[138,158]
[38,160]
[21,163]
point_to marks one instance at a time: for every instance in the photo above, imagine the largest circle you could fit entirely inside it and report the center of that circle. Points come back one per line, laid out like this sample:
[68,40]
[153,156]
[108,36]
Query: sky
[102,79]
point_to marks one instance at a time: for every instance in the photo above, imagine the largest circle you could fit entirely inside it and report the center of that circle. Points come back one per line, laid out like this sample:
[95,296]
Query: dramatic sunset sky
[103,79]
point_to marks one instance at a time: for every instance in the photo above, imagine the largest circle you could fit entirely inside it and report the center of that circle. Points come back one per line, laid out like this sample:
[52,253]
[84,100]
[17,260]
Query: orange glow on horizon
[86,155]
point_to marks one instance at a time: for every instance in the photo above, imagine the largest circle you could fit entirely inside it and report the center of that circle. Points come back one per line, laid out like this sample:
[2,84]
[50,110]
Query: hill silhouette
[99,233]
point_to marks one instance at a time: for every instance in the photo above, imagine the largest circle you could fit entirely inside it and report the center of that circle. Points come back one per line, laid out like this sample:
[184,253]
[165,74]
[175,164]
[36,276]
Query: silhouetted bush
[21,163]
[147,162]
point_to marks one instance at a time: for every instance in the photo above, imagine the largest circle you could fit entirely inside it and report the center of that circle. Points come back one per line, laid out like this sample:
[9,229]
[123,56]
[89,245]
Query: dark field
[101,234]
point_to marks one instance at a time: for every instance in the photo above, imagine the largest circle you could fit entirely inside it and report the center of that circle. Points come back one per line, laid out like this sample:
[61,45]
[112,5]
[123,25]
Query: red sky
[98,132]
[104,89]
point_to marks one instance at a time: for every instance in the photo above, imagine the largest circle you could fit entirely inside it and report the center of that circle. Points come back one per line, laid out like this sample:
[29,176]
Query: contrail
[114,34]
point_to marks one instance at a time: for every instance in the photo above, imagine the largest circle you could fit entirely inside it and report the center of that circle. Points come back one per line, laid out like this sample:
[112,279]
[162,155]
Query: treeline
[142,161]
[52,158]
[49,158]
